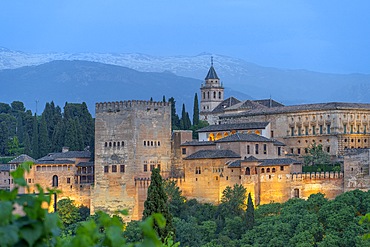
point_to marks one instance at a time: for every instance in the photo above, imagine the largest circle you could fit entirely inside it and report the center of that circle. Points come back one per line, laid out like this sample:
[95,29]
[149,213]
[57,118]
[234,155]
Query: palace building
[256,143]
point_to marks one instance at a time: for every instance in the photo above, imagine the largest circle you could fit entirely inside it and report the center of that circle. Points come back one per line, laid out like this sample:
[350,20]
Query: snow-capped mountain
[284,85]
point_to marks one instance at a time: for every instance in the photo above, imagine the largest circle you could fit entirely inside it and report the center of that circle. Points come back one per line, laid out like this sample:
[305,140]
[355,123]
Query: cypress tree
[249,215]
[156,202]
[35,138]
[196,111]
[26,144]
[164,99]
[175,121]
[44,142]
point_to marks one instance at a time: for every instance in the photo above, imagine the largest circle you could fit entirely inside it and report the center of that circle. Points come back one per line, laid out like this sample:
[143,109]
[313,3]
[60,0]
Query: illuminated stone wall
[134,135]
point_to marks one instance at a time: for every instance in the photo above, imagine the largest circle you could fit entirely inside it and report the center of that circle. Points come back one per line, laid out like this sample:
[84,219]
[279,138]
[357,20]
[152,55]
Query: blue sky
[327,36]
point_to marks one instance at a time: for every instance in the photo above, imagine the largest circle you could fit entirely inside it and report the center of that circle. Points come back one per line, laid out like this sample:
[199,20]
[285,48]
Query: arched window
[208,94]
[218,136]
[263,170]
[214,95]
[273,169]
[219,95]
[268,170]
[211,137]
[55,181]
[247,171]
[204,95]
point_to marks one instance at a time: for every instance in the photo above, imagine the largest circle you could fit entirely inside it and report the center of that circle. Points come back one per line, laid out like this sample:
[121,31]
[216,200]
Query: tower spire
[212,61]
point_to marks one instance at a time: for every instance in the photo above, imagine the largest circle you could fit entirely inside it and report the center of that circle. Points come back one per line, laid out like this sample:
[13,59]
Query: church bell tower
[212,93]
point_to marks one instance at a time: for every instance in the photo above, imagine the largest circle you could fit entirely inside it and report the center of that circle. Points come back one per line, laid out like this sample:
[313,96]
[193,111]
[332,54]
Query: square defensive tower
[131,139]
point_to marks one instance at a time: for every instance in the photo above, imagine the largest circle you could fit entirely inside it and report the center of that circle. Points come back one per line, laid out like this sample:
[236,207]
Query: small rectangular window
[299,151]
[183,150]
[152,167]
[106,169]
[321,130]
[68,180]
[145,167]
[345,128]
[328,128]
[114,168]
[197,170]
[248,149]
[264,148]
[122,168]
[313,130]
[281,168]
[306,131]
[159,166]
[299,131]
[256,151]
[292,131]
[279,151]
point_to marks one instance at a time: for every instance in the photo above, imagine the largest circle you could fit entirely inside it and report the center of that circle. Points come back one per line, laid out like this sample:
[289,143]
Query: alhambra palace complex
[256,143]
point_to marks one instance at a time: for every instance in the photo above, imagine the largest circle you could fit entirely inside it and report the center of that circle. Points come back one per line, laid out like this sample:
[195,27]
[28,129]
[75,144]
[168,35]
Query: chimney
[65,149]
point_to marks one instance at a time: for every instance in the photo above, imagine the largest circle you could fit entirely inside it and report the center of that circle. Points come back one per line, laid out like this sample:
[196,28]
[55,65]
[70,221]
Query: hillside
[284,85]
[91,82]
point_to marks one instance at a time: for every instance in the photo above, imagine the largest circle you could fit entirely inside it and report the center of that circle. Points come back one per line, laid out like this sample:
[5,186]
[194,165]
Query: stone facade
[248,142]
[131,138]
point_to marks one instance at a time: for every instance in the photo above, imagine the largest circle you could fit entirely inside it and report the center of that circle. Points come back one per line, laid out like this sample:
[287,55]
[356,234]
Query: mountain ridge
[289,86]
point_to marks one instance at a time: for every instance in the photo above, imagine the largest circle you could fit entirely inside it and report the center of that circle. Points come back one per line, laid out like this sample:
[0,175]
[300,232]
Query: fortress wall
[133,134]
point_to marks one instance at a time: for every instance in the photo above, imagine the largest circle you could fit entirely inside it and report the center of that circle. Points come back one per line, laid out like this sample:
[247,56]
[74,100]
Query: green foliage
[156,202]
[316,155]
[34,226]
[196,111]
[322,168]
[67,212]
[249,215]
[233,200]
[176,201]
[48,132]
[185,123]
[175,120]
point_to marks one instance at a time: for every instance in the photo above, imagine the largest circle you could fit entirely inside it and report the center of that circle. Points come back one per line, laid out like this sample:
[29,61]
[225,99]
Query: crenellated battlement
[316,176]
[130,104]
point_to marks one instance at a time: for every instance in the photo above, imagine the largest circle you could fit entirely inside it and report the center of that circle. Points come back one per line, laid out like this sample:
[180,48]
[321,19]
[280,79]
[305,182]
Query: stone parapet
[124,105]
[316,176]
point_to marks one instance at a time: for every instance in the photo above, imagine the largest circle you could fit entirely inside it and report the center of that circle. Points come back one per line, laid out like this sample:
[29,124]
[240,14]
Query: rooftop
[300,108]
[238,126]
[213,154]
[211,74]
[20,159]
[239,137]
[198,143]
[66,155]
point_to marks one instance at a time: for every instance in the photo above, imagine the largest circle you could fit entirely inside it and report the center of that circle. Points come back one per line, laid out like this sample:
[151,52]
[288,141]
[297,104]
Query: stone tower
[131,139]
[212,93]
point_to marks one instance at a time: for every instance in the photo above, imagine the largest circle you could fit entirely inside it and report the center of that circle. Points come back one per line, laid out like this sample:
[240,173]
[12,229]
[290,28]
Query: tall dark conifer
[249,215]
[35,139]
[185,123]
[175,121]
[156,202]
[44,142]
[26,144]
[196,111]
